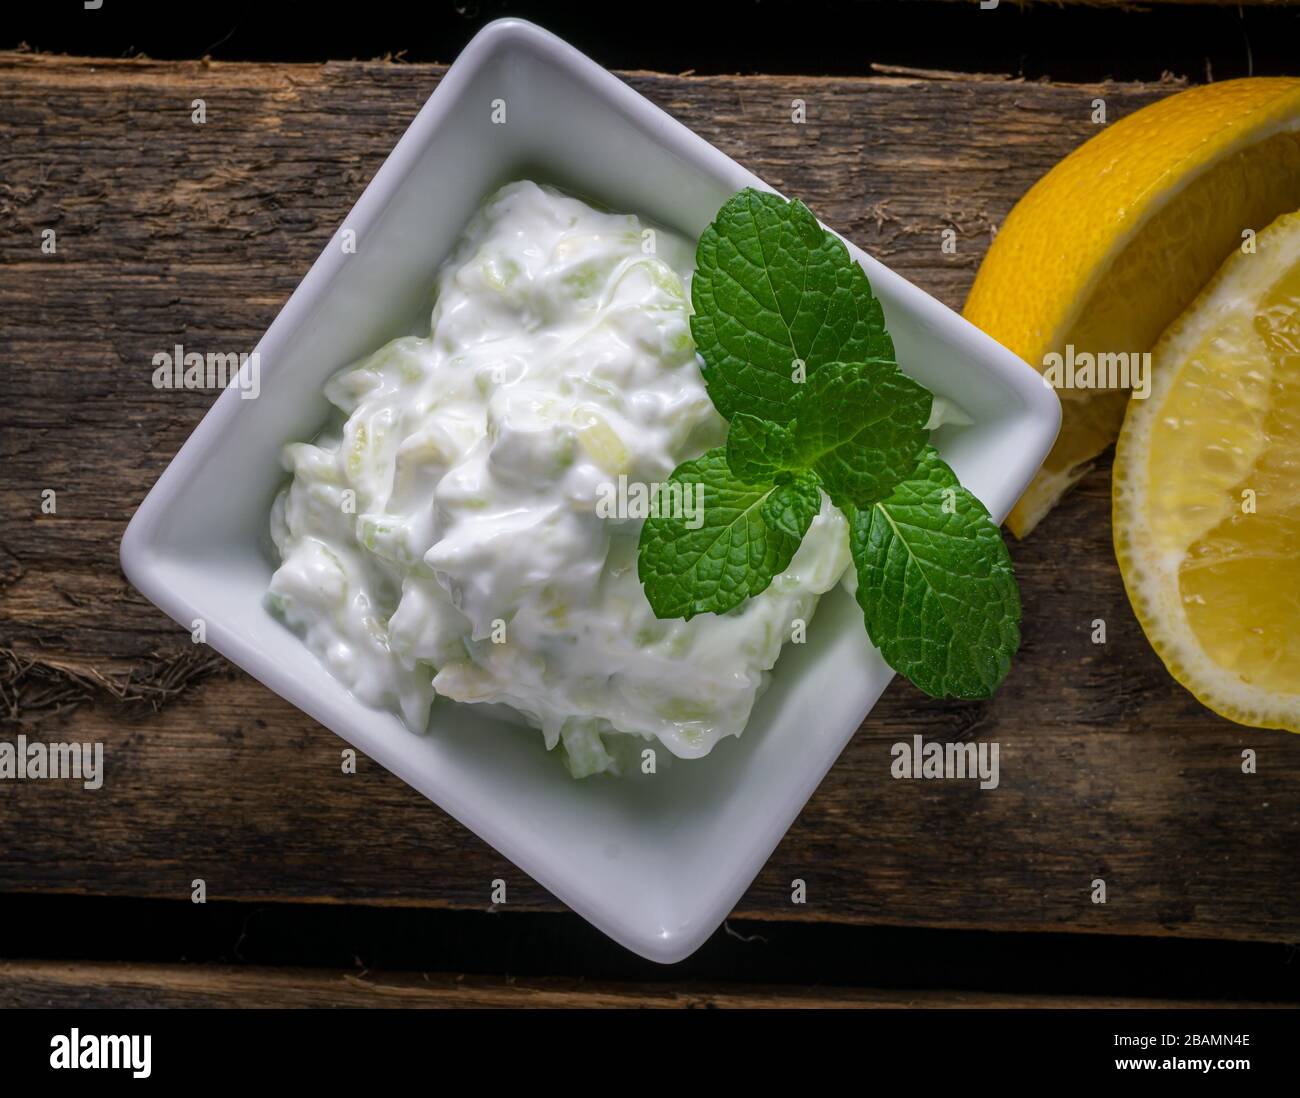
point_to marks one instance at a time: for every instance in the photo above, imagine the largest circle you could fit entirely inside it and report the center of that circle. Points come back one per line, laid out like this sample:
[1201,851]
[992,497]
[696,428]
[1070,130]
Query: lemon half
[1206,489]
[1114,242]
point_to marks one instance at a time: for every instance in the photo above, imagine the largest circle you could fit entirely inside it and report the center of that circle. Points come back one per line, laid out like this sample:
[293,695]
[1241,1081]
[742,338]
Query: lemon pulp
[1240,580]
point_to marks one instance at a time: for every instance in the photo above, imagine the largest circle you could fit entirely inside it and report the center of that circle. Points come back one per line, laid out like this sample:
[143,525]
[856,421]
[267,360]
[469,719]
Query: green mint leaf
[756,449]
[772,287]
[791,507]
[732,556]
[935,584]
[861,426]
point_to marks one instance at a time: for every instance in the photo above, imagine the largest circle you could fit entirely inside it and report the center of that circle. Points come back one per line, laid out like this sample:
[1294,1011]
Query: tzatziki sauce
[444,534]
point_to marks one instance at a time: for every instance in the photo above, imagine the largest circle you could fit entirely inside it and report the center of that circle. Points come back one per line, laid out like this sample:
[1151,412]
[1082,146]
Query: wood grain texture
[57,984]
[170,232]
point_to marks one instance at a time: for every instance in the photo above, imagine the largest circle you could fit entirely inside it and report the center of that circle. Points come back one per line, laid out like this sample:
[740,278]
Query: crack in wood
[34,690]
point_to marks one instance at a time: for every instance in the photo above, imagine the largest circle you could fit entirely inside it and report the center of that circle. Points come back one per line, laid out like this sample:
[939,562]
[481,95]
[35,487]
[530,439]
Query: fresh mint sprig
[796,356]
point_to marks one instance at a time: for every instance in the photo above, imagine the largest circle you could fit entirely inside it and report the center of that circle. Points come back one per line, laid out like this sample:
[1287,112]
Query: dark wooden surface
[170,232]
[76,985]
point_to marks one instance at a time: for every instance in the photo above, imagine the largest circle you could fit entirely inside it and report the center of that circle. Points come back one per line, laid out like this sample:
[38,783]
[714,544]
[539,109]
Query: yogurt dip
[449,532]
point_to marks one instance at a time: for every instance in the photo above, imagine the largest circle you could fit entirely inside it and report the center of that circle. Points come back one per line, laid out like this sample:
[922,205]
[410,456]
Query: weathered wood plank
[57,984]
[170,232]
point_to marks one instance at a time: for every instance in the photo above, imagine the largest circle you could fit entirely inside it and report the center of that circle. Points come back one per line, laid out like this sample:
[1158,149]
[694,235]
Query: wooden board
[170,232]
[45,984]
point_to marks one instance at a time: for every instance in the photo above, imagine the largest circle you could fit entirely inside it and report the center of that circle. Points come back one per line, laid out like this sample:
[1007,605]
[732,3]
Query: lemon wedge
[1114,242]
[1206,489]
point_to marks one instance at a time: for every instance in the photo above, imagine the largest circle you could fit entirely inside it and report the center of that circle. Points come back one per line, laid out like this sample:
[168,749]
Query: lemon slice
[1207,489]
[1114,242]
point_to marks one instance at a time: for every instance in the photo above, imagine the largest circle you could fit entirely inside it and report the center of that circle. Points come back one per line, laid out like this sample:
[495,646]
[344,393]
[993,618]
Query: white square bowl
[655,863]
